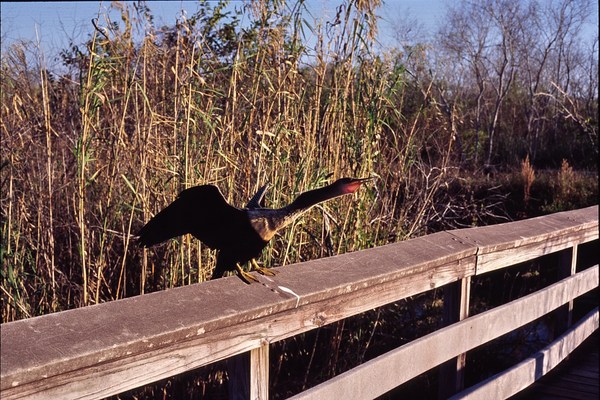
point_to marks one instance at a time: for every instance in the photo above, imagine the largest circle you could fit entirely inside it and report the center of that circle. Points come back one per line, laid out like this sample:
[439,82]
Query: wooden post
[259,373]
[456,308]
[567,264]
[249,375]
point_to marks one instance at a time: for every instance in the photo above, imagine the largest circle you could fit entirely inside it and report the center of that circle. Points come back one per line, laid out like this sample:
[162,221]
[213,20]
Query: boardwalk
[574,379]
[110,348]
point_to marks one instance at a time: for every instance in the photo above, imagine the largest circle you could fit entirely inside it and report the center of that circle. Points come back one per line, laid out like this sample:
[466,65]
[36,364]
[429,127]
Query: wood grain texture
[520,376]
[259,373]
[574,378]
[391,369]
[97,351]
[105,349]
[567,266]
[507,244]
[456,308]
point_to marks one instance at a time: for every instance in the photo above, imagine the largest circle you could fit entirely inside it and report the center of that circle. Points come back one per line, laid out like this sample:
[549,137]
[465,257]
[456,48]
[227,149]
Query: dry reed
[90,155]
[528,175]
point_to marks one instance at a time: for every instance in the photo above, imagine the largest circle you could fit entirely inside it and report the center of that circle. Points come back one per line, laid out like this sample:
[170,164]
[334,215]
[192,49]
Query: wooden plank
[515,242]
[390,370]
[487,262]
[456,308]
[567,266]
[259,373]
[576,377]
[520,376]
[108,348]
[101,350]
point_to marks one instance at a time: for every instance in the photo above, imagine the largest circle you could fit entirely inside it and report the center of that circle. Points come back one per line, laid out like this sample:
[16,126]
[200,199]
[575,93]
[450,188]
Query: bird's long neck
[306,200]
[267,222]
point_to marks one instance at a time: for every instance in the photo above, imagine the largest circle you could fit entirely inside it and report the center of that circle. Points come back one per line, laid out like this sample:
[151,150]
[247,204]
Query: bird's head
[350,185]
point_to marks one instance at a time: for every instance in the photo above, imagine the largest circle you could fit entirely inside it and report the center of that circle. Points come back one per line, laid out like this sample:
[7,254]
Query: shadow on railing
[101,350]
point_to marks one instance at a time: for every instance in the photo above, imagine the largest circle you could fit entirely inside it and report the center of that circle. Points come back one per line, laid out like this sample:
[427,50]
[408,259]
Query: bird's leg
[261,270]
[245,276]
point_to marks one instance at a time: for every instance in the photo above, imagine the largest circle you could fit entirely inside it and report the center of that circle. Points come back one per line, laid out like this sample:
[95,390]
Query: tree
[524,74]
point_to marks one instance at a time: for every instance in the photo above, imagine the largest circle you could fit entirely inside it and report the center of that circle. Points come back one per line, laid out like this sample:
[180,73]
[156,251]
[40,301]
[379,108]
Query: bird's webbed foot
[245,276]
[261,270]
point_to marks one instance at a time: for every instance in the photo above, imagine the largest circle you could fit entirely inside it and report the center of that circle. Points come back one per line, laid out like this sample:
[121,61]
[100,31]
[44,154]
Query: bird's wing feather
[257,200]
[200,210]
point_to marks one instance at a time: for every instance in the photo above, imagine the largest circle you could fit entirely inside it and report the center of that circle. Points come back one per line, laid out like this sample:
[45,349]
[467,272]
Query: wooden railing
[101,350]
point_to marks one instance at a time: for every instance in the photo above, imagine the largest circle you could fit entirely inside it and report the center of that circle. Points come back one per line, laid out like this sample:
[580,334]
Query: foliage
[528,175]
[239,96]
[92,154]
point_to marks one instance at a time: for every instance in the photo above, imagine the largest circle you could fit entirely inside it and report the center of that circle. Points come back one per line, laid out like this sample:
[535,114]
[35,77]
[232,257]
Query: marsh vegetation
[494,119]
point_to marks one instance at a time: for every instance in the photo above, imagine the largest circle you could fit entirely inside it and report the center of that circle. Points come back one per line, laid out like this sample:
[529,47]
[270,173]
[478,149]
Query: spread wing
[201,211]
[257,200]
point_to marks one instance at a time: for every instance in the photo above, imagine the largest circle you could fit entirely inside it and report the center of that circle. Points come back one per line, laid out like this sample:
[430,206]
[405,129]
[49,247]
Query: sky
[55,23]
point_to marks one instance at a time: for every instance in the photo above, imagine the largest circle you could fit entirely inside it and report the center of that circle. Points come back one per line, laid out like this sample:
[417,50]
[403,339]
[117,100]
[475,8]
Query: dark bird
[240,235]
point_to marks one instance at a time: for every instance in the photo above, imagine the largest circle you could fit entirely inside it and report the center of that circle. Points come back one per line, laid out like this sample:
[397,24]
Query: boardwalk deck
[576,378]
[101,350]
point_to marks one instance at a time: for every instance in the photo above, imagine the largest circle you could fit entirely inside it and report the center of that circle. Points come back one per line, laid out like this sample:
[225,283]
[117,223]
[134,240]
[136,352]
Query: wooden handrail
[510,382]
[378,376]
[100,350]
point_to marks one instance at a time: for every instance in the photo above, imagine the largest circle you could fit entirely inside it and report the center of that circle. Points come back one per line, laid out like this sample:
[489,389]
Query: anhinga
[239,234]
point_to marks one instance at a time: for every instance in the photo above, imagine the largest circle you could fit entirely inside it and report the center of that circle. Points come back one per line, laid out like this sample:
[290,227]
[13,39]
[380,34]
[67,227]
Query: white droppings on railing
[290,291]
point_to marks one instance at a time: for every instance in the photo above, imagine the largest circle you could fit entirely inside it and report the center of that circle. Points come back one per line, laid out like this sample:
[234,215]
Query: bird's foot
[261,270]
[245,276]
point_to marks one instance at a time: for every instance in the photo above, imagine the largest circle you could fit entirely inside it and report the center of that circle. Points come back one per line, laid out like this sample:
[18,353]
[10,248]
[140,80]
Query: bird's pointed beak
[353,186]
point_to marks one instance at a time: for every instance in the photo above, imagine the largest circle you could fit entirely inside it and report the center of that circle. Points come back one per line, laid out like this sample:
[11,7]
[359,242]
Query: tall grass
[237,98]
[528,176]
[90,155]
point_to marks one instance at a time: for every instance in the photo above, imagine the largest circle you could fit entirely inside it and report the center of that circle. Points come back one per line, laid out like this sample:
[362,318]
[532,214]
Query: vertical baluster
[259,373]
[567,263]
[456,308]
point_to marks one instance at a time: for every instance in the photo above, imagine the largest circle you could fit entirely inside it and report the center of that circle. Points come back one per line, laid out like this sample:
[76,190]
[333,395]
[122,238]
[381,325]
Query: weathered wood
[390,370]
[567,265]
[97,351]
[520,376]
[106,349]
[574,378]
[456,308]
[259,373]
[515,242]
